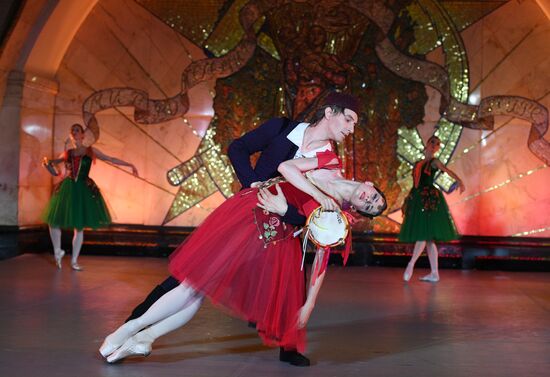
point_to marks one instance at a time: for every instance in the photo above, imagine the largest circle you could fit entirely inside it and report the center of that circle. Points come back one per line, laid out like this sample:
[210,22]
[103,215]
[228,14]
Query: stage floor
[367,323]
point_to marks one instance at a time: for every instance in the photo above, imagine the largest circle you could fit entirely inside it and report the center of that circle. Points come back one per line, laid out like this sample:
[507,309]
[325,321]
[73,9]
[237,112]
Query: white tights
[55,236]
[78,239]
[171,311]
[432,255]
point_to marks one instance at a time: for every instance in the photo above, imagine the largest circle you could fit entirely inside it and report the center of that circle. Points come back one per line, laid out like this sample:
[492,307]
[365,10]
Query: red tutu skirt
[226,260]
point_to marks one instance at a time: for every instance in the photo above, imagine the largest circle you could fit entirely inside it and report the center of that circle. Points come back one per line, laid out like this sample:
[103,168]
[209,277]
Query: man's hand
[273,203]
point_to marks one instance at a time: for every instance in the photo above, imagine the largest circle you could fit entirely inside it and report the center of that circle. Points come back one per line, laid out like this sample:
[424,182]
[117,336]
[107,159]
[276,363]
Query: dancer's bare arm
[102,156]
[55,161]
[293,170]
[445,169]
[315,284]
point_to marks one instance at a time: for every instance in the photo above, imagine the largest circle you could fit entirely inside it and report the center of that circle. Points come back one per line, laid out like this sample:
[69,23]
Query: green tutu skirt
[76,205]
[427,217]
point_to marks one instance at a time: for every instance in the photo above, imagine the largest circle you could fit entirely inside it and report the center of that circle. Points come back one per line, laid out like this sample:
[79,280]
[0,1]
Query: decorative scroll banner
[479,117]
[151,111]
[427,73]
[208,170]
[91,133]
[519,107]
[147,111]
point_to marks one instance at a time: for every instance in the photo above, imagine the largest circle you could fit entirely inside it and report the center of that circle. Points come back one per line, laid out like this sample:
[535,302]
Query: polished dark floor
[367,323]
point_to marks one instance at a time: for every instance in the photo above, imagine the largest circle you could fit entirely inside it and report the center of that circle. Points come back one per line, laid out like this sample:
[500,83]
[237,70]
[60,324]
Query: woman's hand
[48,164]
[303,315]
[326,202]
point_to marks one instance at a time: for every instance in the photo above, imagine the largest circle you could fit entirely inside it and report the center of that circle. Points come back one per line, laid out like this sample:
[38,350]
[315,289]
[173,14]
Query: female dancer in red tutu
[245,260]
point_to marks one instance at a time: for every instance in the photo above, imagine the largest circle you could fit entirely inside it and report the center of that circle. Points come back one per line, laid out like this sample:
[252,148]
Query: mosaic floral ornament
[209,165]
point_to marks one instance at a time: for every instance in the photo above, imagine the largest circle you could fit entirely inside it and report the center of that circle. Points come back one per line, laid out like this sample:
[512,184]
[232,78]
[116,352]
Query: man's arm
[241,149]
[292,216]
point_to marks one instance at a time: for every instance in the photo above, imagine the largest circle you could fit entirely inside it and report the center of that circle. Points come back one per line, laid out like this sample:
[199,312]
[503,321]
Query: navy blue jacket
[270,139]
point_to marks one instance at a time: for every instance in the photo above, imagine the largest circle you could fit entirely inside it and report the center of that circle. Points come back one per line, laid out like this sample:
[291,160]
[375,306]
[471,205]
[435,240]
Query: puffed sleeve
[328,159]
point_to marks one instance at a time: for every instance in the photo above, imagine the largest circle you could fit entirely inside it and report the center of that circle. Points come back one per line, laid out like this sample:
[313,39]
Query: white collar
[297,138]
[297,134]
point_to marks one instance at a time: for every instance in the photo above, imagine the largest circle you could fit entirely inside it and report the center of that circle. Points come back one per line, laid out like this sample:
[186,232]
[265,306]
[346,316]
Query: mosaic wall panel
[171,83]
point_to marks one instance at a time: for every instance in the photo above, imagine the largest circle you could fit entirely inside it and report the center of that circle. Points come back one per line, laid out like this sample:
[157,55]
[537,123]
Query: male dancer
[278,140]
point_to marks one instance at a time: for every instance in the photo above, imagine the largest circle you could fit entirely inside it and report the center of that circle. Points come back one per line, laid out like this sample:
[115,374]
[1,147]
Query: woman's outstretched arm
[315,283]
[55,161]
[445,169]
[293,170]
[102,156]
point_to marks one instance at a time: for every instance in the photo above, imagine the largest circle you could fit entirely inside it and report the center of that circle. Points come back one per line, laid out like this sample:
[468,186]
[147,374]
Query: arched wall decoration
[53,40]
[210,166]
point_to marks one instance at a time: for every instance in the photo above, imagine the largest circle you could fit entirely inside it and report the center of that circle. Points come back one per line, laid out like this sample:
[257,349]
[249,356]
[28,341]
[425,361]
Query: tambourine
[327,228]
[49,167]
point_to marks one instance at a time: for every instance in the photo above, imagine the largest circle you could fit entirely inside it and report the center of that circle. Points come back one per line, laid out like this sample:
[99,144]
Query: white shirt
[297,138]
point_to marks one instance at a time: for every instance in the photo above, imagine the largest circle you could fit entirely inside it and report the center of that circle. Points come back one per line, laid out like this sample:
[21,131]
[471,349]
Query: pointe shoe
[432,278]
[58,255]
[75,266]
[116,339]
[130,348]
[407,275]
[107,348]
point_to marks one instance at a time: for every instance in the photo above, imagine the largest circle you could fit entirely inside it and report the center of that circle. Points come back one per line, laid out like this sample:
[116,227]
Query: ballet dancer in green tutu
[426,214]
[76,202]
